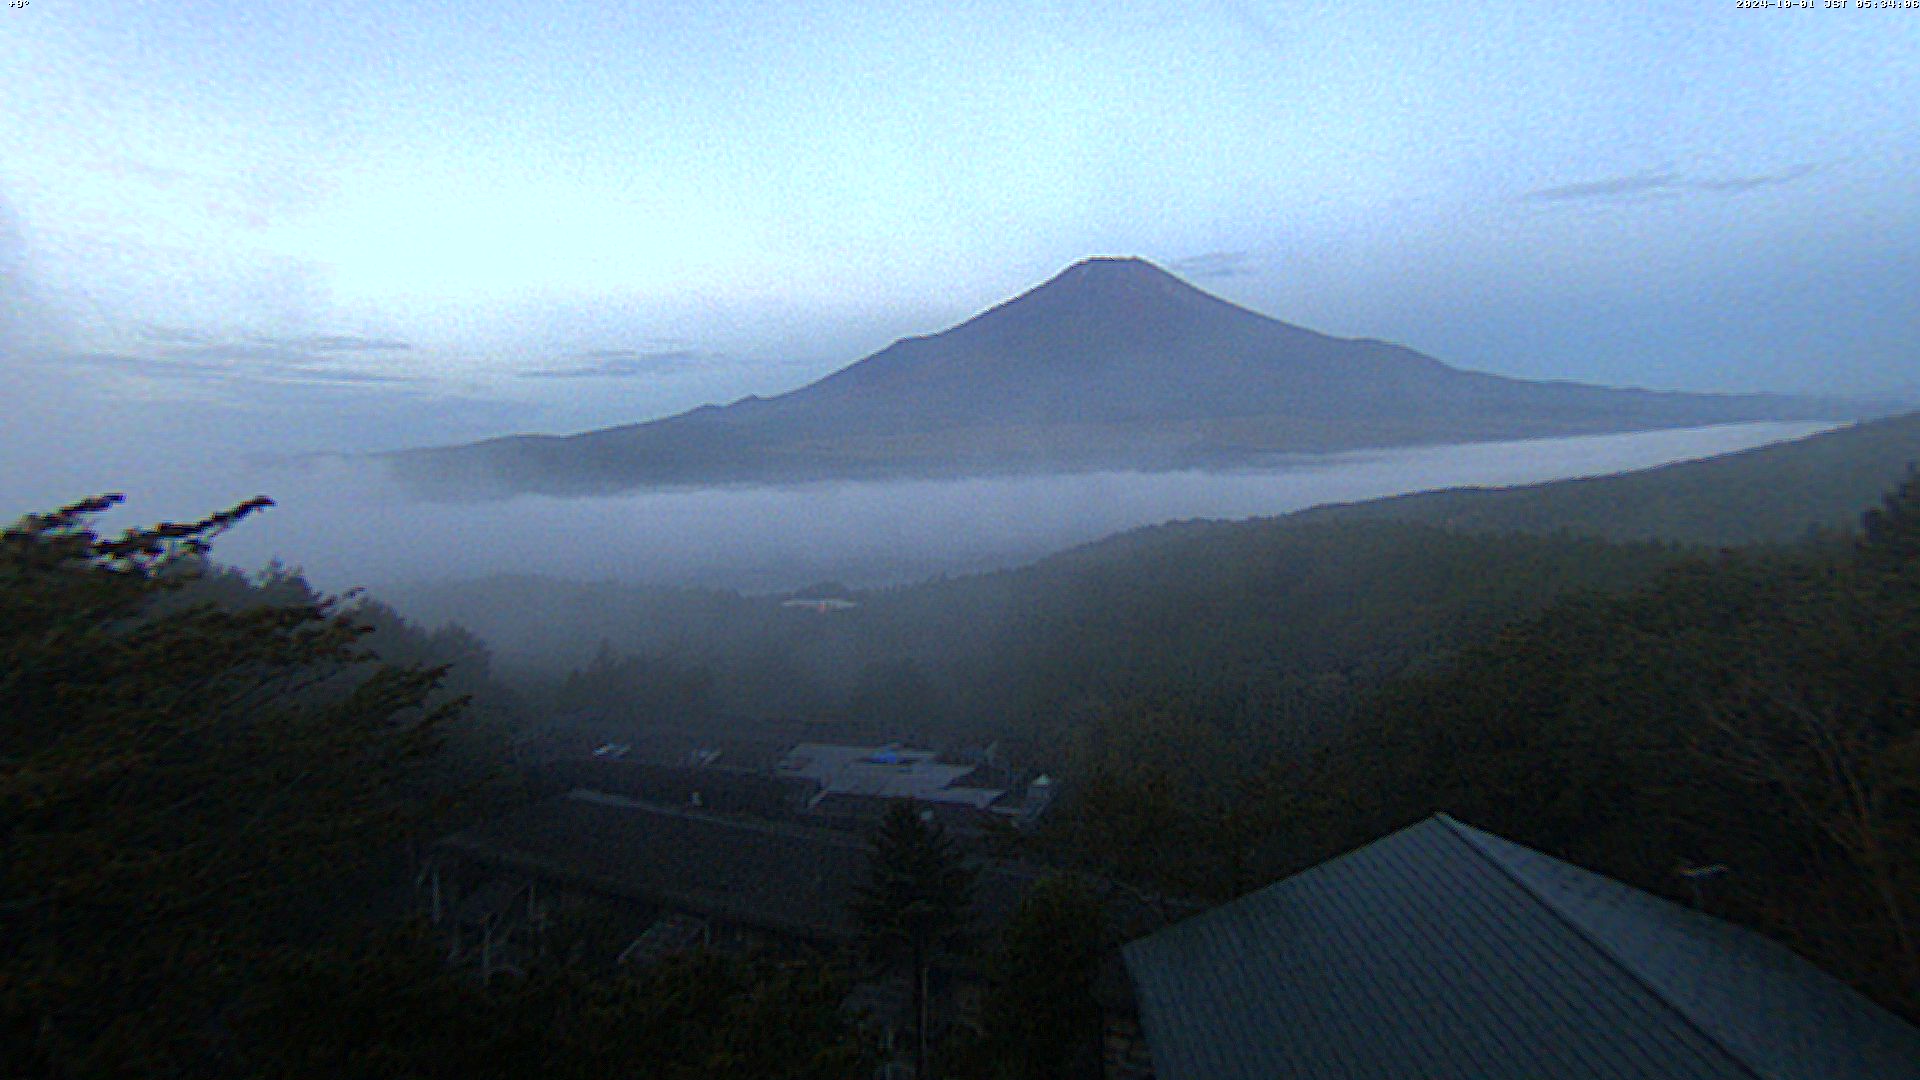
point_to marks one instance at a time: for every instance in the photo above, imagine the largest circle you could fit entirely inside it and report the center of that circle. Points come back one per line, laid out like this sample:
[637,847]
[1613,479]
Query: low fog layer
[345,526]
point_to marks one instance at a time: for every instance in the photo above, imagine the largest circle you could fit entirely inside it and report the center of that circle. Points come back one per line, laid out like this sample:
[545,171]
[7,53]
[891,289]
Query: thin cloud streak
[1255,24]
[245,353]
[174,335]
[1610,188]
[1620,187]
[1748,183]
[129,168]
[621,364]
[147,365]
[1214,265]
[235,363]
[348,376]
[339,343]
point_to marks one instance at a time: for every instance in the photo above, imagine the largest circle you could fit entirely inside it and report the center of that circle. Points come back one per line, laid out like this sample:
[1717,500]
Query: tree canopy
[1755,709]
[914,905]
[1040,1019]
[184,786]
[208,788]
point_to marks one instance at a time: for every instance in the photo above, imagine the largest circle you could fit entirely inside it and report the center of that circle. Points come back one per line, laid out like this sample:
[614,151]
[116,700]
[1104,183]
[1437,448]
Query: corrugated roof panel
[1445,953]
[1772,1009]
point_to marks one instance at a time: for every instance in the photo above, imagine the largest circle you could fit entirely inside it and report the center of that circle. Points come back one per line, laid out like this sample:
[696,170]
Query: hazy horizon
[344,524]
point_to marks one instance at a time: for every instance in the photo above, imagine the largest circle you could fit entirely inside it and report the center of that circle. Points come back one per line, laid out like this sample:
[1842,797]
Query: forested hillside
[1756,711]
[1264,625]
[1768,494]
[1251,621]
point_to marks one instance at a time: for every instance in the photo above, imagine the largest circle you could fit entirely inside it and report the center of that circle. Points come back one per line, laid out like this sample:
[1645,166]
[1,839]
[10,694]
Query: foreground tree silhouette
[1041,1018]
[1841,746]
[387,1008]
[1890,532]
[185,788]
[914,904]
[204,781]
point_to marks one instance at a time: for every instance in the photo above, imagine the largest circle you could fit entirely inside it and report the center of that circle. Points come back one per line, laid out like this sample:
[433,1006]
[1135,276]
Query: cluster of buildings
[640,848]
[1439,951]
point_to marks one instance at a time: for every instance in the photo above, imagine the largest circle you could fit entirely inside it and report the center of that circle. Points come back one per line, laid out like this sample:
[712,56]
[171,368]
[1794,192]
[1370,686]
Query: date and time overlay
[1742,5]
[1827,5]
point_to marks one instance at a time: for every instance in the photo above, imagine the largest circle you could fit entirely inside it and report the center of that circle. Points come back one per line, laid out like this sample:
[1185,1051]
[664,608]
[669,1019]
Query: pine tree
[914,904]
[1041,1019]
[1891,531]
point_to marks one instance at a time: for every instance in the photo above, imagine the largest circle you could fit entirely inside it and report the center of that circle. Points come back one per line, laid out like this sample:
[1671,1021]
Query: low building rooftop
[884,772]
[780,878]
[1445,952]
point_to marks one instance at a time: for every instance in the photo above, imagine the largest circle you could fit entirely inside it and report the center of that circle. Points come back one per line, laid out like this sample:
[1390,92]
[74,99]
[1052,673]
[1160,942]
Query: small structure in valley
[822,605]
[824,597]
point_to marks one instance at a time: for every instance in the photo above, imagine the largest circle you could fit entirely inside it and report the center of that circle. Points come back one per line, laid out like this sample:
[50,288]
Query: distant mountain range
[1112,364]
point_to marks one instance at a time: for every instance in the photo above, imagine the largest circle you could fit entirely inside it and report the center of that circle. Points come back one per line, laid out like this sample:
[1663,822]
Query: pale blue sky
[235,215]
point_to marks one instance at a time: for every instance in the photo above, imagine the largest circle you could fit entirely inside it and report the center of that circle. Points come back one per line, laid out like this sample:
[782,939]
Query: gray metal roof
[782,878]
[779,877]
[1441,951]
[884,772]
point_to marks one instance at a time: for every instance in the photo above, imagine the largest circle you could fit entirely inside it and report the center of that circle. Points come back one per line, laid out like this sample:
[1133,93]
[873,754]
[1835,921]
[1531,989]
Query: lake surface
[345,527]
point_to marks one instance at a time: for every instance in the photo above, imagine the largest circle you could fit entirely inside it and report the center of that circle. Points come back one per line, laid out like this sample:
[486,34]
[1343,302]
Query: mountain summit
[1105,341]
[1113,363]
[1099,305]
[1123,288]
